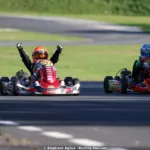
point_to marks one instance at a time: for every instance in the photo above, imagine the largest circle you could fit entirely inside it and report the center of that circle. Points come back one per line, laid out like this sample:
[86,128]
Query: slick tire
[124,85]
[12,78]
[68,81]
[14,91]
[117,78]
[106,84]
[3,79]
[75,81]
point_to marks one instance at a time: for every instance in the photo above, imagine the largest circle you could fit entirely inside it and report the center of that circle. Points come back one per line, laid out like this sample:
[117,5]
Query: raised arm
[55,56]
[25,58]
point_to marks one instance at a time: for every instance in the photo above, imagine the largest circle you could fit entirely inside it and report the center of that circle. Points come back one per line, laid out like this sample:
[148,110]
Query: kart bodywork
[124,83]
[47,83]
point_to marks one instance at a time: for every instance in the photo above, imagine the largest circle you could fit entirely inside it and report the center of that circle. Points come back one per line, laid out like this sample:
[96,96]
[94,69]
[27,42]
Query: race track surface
[96,35]
[114,121]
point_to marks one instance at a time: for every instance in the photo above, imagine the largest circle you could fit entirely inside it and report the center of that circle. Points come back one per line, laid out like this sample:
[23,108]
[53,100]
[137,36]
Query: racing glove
[146,66]
[19,45]
[59,49]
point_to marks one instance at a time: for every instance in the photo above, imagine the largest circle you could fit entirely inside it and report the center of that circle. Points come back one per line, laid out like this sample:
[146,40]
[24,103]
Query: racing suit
[27,62]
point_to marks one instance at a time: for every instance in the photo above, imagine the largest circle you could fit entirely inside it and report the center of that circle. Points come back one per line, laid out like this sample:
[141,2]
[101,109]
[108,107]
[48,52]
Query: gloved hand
[59,48]
[19,45]
[146,66]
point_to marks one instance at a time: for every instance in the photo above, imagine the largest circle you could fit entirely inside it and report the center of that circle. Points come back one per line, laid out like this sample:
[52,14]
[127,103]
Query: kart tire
[124,85]
[3,79]
[117,78]
[14,91]
[106,84]
[12,78]
[75,81]
[68,81]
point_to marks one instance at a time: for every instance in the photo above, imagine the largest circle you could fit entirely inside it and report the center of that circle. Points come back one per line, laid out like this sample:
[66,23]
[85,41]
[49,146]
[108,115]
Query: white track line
[30,128]
[57,135]
[86,142]
[8,123]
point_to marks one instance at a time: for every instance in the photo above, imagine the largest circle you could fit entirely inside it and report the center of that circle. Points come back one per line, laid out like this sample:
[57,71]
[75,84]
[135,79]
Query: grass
[139,21]
[32,36]
[84,62]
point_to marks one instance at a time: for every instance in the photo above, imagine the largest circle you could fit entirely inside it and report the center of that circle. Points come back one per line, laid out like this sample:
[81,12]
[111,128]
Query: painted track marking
[8,123]
[57,135]
[29,128]
[86,142]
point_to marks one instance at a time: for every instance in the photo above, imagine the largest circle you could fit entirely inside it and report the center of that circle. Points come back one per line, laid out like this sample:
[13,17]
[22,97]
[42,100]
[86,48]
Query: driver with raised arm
[40,52]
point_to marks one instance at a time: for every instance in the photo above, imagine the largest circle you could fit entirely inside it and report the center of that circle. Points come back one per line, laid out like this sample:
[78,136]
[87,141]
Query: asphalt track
[94,33]
[94,118]
[116,120]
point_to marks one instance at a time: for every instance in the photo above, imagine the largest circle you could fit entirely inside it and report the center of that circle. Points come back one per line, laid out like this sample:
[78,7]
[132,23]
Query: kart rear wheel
[124,85]
[3,79]
[75,81]
[106,84]
[14,82]
[117,78]
[68,81]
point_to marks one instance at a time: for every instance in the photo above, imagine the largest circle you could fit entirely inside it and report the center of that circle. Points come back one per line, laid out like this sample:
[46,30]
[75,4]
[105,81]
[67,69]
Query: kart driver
[40,52]
[139,64]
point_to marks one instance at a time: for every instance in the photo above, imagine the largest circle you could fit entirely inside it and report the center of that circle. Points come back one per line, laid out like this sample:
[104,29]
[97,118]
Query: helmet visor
[37,55]
[146,54]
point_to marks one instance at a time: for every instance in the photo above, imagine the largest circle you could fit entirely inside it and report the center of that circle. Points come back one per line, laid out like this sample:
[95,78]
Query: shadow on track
[76,112]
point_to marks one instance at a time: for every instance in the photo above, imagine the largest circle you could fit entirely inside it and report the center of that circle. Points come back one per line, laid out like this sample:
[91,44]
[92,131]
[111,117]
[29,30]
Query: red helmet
[39,52]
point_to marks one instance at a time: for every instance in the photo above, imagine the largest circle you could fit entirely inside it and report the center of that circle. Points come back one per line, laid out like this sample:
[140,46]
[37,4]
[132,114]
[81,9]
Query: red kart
[46,83]
[124,82]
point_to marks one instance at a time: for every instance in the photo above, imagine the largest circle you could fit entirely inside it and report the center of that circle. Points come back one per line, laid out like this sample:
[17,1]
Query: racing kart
[124,83]
[47,82]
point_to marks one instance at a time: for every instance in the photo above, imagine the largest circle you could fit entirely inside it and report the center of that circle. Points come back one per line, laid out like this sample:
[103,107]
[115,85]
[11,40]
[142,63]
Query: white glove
[19,45]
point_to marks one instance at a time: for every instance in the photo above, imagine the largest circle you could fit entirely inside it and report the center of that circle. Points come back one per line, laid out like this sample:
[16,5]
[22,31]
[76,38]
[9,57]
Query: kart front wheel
[106,84]
[3,79]
[68,81]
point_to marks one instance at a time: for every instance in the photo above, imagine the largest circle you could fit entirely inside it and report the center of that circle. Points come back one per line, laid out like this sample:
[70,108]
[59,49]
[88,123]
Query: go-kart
[124,83]
[47,82]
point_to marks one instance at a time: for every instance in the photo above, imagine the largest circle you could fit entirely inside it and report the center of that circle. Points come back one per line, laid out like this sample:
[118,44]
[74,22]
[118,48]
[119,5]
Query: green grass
[122,7]
[140,21]
[84,62]
[33,36]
